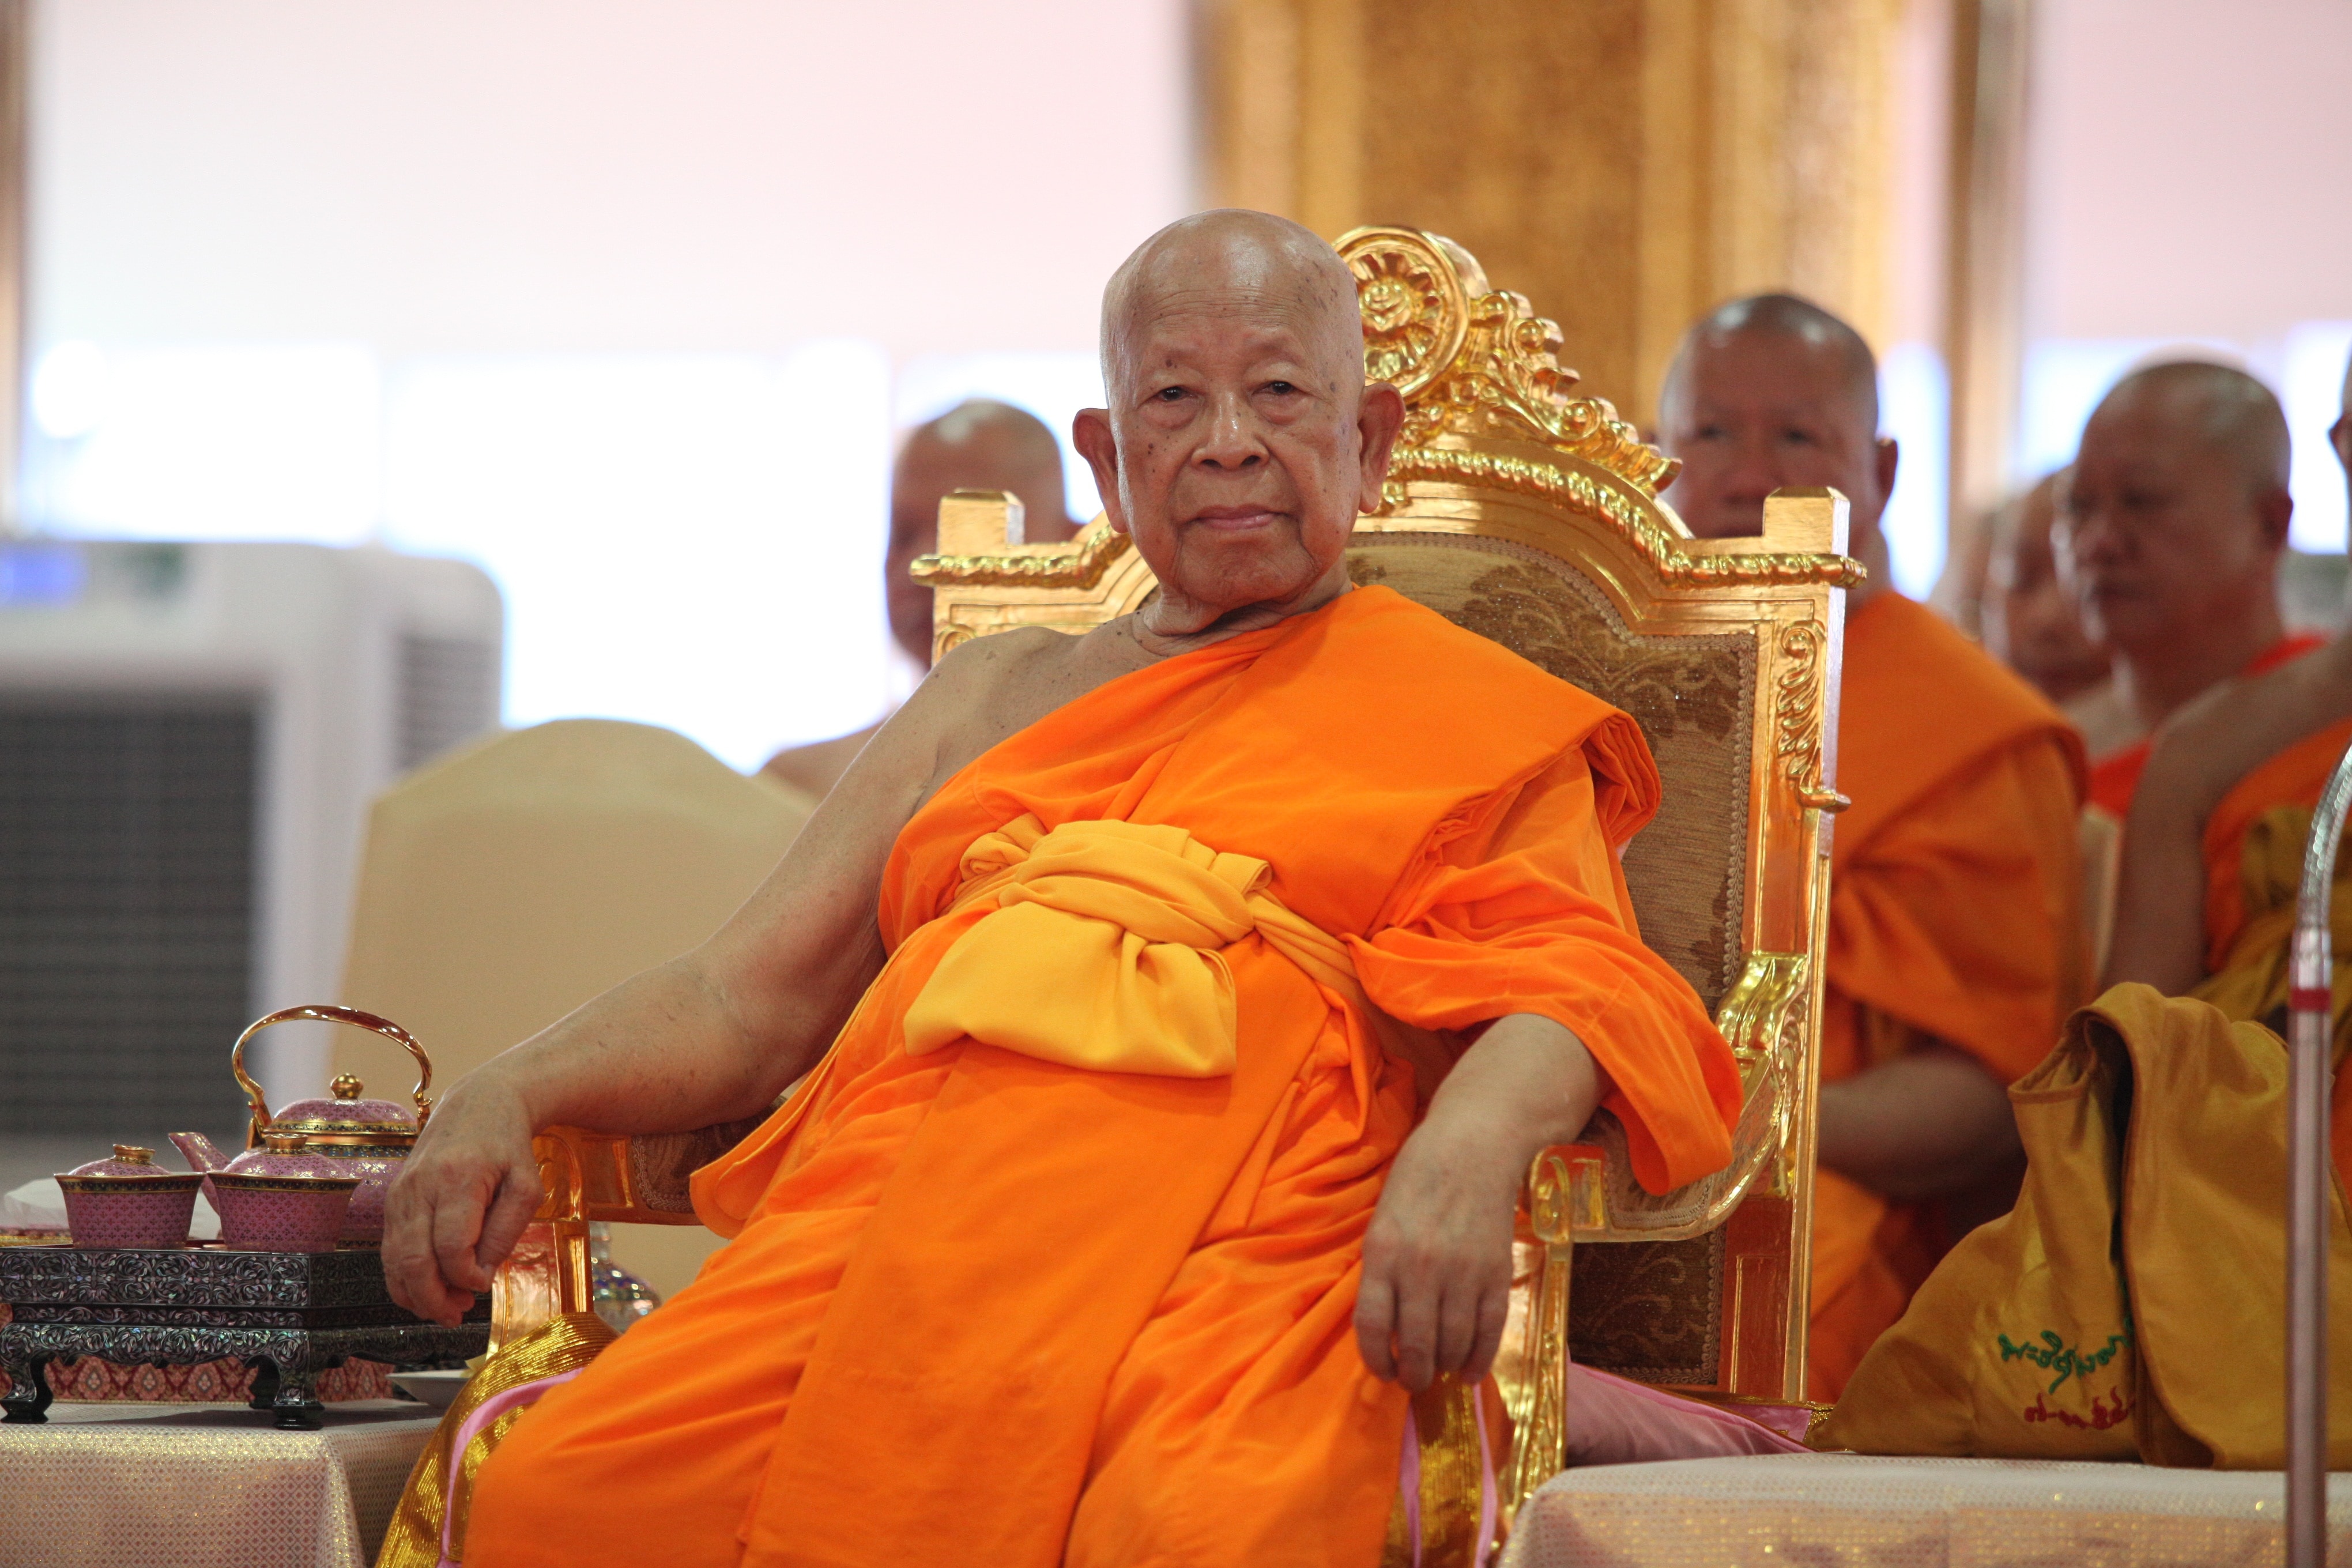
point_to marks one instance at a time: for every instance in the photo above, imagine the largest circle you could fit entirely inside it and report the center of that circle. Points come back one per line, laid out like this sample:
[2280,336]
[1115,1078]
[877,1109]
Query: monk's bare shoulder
[2227,732]
[991,688]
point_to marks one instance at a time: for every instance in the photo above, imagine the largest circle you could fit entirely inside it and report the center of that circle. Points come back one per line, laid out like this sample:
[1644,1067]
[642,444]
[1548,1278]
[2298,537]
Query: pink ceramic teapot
[343,1136]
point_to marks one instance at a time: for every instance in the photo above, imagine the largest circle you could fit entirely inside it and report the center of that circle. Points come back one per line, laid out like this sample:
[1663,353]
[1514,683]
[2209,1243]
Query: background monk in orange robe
[975,446]
[2031,621]
[2226,759]
[1954,928]
[1026,1275]
[2174,517]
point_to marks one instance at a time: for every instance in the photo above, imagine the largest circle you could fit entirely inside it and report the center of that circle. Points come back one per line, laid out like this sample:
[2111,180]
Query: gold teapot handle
[322,1013]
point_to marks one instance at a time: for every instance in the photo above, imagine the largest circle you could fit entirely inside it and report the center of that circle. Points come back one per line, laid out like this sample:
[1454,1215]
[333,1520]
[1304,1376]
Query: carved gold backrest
[1532,517]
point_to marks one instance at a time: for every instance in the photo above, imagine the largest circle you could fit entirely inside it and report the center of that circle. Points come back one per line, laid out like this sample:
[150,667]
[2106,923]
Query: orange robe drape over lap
[984,1308]
[1954,881]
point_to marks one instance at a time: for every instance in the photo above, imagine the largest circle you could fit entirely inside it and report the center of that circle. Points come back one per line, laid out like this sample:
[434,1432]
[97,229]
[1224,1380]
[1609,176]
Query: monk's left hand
[1437,1256]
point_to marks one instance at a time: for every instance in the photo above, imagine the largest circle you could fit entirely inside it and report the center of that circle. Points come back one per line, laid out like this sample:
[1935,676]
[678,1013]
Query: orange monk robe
[2253,848]
[2114,778]
[1954,889]
[985,1307]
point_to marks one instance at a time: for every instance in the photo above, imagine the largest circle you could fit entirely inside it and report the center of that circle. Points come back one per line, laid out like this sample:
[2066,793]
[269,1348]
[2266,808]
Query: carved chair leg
[265,1382]
[1564,1187]
[28,1393]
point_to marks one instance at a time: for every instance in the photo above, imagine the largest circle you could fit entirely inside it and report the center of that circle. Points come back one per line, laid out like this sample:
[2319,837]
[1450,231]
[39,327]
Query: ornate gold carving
[1502,376]
[1081,565]
[1757,1010]
[1797,709]
[1763,1018]
[1415,290]
[1563,1198]
[1664,552]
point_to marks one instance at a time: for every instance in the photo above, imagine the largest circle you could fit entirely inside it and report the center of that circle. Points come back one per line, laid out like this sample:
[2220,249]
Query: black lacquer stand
[288,1315]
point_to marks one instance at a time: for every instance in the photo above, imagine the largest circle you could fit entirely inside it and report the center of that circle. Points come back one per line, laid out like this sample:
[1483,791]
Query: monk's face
[2168,535]
[1241,441]
[1753,411]
[927,470]
[2031,620]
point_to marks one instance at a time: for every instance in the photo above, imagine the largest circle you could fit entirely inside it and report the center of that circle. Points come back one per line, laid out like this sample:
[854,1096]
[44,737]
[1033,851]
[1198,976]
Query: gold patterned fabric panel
[1694,697]
[662,1166]
[1650,1311]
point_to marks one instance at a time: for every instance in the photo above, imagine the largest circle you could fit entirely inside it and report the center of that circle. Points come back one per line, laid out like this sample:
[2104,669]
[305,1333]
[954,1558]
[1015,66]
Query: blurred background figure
[1954,875]
[975,446]
[2176,520]
[2030,621]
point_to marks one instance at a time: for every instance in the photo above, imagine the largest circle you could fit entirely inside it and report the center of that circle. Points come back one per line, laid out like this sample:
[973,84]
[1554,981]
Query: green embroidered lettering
[2053,1354]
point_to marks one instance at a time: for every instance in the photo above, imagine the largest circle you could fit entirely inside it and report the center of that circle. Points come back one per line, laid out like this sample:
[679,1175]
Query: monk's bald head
[1771,392]
[1237,265]
[1798,323]
[2176,515]
[975,446]
[1241,442]
[2228,415]
[987,446]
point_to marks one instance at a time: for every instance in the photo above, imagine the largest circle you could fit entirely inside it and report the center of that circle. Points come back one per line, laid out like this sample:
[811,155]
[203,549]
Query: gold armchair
[1530,517]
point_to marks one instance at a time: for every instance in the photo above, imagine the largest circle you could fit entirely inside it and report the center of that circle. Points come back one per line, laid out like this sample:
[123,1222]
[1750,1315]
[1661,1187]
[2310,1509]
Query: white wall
[621,299]
[2191,184]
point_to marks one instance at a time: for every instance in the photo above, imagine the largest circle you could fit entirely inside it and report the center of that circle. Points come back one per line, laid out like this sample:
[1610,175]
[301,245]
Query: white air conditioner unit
[190,735]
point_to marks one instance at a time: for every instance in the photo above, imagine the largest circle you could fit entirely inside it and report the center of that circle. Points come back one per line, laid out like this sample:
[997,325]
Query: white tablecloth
[171,1486]
[1847,1510]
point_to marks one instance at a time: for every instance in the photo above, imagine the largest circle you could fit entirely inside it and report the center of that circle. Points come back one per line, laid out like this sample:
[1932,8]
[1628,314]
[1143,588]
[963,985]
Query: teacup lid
[129,1159]
[346,1116]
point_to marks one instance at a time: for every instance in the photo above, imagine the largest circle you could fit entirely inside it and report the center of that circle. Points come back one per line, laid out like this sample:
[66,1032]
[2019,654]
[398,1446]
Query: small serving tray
[289,1314]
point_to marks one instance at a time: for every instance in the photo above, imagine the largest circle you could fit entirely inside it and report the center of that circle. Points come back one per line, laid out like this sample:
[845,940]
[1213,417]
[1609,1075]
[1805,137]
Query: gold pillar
[1626,163]
[1985,253]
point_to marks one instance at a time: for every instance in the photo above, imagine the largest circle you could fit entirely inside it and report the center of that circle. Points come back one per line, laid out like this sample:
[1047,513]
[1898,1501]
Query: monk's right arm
[713,1036]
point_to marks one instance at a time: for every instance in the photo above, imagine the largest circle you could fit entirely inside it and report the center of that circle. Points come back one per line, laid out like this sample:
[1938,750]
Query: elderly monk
[2212,854]
[2033,624]
[975,446]
[2175,517]
[1954,947]
[1198,991]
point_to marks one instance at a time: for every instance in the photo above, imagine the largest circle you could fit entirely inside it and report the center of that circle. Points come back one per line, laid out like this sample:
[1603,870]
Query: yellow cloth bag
[2133,1304]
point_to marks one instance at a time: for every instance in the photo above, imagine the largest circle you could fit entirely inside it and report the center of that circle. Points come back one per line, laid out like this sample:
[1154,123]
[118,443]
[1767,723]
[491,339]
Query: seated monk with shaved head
[975,446]
[2213,847]
[1953,944]
[1197,990]
[2175,517]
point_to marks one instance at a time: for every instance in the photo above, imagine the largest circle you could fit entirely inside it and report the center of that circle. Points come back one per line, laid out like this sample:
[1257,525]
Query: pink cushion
[1612,1421]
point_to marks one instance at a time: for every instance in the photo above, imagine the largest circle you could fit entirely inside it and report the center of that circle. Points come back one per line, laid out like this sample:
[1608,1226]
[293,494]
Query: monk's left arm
[1524,935]
[1961,923]
[1437,1258]
[2199,754]
[1932,1123]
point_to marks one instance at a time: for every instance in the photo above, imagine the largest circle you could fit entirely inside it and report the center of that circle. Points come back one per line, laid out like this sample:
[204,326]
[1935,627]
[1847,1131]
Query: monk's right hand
[462,1199]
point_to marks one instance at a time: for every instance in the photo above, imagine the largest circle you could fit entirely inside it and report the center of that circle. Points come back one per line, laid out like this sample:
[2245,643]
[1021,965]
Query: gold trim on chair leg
[1564,1191]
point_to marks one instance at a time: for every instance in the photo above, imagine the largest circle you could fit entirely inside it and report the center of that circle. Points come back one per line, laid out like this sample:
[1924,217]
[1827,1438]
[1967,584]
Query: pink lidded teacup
[264,1212]
[128,1202]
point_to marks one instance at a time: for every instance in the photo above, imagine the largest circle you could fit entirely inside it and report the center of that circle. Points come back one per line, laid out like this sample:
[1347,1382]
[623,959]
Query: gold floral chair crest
[1533,518]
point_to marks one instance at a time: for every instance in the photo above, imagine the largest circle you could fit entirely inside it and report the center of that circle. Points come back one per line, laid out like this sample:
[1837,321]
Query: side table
[289,1315]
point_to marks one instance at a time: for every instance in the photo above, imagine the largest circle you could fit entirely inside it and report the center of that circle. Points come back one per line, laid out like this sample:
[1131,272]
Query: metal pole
[2311,984]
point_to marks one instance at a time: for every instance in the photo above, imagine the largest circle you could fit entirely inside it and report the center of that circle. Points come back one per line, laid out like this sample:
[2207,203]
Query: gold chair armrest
[1564,1196]
[594,1178]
